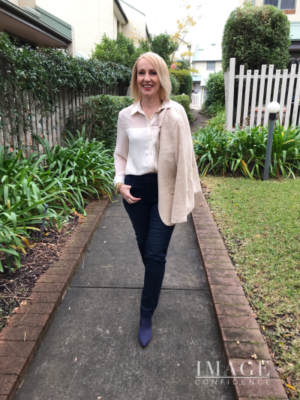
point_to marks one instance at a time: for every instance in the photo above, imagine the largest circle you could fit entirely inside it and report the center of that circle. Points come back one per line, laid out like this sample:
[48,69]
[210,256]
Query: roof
[132,7]
[295,31]
[117,3]
[210,52]
[56,23]
[11,10]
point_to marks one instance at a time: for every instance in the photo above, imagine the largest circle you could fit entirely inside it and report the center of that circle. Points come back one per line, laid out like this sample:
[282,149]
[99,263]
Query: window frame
[210,62]
[283,9]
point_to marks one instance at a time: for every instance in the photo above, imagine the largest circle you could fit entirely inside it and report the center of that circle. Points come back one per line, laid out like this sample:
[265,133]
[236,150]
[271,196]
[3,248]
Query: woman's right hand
[125,192]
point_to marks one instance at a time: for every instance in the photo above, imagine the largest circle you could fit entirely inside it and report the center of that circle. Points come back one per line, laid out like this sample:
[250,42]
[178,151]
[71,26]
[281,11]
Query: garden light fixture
[273,108]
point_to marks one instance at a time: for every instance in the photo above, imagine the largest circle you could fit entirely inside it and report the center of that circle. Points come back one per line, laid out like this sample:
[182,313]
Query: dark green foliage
[187,86]
[44,72]
[244,150]
[63,177]
[99,114]
[163,45]
[184,64]
[121,50]
[215,93]
[256,36]
[175,84]
[184,100]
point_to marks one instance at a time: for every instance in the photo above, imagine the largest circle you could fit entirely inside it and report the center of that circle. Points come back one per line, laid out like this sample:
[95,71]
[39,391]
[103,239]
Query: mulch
[16,286]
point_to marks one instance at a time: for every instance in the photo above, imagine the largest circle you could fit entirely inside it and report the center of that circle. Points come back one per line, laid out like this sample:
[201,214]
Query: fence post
[231,80]
[296,100]
[290,95]
[268,98]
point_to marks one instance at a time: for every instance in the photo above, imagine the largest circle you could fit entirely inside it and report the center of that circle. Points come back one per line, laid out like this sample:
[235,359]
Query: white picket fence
[196,100]
[247,95]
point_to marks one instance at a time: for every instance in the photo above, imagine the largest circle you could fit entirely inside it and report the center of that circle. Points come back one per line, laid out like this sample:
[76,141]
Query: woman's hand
[125,192]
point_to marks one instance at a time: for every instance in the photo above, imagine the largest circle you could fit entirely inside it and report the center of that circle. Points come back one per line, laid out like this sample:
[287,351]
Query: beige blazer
[178,178]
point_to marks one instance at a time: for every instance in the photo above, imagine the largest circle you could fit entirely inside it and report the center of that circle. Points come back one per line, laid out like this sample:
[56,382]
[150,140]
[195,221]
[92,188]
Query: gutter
[121,10]
[18,14]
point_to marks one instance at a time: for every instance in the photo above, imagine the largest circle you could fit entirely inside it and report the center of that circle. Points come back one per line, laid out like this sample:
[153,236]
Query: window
[282,4]
[211,65]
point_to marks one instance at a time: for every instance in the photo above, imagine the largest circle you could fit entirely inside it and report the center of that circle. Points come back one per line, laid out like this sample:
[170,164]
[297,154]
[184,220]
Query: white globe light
[273,107]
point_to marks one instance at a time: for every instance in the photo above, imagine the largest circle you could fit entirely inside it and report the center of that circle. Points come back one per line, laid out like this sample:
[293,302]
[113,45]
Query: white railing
[247,94]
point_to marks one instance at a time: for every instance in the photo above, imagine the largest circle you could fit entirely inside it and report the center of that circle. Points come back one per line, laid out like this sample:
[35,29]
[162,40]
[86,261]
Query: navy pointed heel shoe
[145,330]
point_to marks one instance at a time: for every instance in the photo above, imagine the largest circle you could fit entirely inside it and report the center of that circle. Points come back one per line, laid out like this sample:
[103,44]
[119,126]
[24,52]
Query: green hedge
[256,36]
[175,85]
[43,72]
[99,114]
[215,93]
[184,100]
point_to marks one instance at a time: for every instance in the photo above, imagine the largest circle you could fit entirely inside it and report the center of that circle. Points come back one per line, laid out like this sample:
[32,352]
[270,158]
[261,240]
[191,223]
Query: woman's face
[147,79]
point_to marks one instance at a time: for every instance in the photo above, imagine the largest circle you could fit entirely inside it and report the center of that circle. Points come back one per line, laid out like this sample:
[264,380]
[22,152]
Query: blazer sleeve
[179,206]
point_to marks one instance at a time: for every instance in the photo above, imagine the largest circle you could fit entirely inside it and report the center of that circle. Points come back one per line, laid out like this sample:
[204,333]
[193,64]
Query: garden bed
[15,287]
[260,224]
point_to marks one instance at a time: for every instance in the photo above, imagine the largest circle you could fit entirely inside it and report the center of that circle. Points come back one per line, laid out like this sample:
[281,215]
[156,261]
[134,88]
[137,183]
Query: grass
[260,222]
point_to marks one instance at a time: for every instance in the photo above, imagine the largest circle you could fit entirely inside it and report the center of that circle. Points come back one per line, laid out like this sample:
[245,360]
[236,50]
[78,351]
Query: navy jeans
[153,236]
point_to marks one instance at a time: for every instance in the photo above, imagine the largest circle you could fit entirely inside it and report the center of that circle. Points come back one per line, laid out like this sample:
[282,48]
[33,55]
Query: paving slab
[91,349]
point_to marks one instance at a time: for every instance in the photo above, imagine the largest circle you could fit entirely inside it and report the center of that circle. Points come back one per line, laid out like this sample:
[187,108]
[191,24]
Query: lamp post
[273,109]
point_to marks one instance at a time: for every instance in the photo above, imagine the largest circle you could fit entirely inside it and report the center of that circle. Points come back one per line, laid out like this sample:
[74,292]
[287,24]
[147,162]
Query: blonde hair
[162,72]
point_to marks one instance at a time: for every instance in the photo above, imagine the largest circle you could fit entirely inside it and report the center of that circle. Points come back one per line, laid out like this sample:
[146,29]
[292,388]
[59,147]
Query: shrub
[256,36]
[184,100]
[43,72]
[215,93]
[175,85]
[220,151]
[102,117]
[63,177]
[187,86]
[219,121]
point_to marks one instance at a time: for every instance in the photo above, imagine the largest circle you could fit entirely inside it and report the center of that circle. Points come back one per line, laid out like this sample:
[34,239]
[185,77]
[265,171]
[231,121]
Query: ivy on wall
[45,71]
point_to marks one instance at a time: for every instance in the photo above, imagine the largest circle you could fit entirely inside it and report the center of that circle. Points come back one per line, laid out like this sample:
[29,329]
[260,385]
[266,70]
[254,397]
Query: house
[183,48]
[34,27]
[83,23]
[207,59]
[93,18]
[292,9]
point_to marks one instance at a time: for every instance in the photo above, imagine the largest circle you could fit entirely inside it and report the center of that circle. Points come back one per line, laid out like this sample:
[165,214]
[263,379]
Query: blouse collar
[137,106]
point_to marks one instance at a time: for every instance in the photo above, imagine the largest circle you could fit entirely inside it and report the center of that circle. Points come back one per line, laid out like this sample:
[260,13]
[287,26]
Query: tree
[163,45]
[215,93]
[120,51]
[256,36]
[183,25]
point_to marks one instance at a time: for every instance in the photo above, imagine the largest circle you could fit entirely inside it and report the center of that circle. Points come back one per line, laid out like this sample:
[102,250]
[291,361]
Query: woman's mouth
[147,87]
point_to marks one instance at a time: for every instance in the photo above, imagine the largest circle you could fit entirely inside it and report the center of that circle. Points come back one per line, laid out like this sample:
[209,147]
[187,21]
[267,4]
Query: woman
[156,173]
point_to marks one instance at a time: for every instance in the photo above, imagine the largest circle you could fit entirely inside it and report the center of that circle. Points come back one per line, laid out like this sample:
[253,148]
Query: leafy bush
[63,177]
[99,115]
[184,100]
[43,72]
[255,36]
[220,151]
[187,86]
[218,121]
[175,85]
[121,50]
[215,93]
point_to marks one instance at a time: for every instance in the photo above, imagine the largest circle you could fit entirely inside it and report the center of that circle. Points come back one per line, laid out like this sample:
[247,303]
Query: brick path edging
[234,316]
[20,340]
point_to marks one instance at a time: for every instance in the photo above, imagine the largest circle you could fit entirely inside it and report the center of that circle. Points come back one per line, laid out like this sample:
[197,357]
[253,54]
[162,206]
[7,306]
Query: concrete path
[91,350]
[200,120]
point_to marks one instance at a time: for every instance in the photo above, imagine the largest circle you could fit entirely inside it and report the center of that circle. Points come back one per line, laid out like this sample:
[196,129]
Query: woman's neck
[150,103]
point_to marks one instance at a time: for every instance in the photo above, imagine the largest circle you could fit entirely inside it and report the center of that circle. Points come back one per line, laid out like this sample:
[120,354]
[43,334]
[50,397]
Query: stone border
[20,340]
[234,315]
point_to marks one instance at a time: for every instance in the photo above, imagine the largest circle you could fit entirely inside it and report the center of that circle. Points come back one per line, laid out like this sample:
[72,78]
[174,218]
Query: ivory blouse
[136,147]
